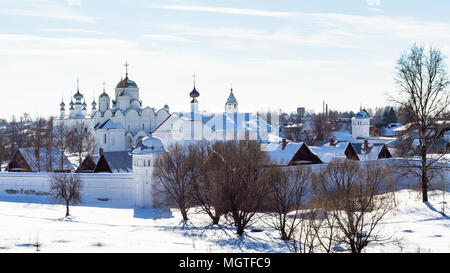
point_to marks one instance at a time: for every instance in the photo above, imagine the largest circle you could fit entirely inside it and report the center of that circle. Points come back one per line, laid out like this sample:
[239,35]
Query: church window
[149,162]
[104,139]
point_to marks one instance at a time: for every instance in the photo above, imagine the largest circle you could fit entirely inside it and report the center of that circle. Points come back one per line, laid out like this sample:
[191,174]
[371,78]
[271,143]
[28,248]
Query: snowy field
[25,221]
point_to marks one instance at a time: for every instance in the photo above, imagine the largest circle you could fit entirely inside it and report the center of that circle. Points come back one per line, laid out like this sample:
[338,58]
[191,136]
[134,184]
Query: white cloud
[76,30]
[44,9]
[15,44]
[375,9]
[73,2]
[165,38]
[373,2]
[239,11]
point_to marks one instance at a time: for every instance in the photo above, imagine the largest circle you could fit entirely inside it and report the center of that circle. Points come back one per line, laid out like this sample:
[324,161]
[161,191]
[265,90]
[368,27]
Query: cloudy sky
[277,54]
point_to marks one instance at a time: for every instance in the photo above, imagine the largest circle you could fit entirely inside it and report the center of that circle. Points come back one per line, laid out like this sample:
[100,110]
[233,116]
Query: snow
[279,155]
[343,135]
[328,153]
[25,220]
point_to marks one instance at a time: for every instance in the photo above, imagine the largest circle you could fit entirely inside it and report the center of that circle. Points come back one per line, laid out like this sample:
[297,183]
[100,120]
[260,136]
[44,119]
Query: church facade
[121,121]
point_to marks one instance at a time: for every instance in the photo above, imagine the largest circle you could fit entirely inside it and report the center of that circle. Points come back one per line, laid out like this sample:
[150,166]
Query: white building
[144,156]
[361,125]
[118,123]
[196,126]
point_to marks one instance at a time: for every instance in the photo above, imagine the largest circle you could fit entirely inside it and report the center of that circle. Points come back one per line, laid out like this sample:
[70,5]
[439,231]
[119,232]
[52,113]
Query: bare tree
[66,187]
[49,145]
[38,140]
[423,82]
[322,127]
[351,194]
[289,189]
[61,132]
[208,181]
[80,140]
[173,176]
[245,182]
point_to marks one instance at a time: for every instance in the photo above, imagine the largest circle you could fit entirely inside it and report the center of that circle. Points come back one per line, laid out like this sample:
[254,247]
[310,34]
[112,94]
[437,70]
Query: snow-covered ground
[413,227]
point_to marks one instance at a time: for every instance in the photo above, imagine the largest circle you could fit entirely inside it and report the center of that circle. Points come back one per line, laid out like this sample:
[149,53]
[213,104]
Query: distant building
[144,157]
[361,125]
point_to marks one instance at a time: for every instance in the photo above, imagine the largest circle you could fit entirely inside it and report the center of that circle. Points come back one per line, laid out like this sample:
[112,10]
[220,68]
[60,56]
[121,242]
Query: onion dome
[104,95]
[62,104]
[194,93]
[231,99]
[71,104]
[126,83]
[84,103]
[93,104]
[78,95]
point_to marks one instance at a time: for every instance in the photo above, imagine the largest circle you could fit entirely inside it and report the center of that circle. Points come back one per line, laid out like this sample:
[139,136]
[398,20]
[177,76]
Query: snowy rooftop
[328,153]
[149,145]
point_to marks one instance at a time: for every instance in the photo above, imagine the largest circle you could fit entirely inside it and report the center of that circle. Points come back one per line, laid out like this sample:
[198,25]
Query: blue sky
[276,54]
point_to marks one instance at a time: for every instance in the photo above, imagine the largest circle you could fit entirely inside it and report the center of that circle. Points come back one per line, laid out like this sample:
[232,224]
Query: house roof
[279,155]
[328,153]
[118,162]
[52,155]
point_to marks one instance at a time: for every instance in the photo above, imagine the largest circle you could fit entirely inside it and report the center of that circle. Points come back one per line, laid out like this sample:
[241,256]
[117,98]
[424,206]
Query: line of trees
[312,210]
[41,133]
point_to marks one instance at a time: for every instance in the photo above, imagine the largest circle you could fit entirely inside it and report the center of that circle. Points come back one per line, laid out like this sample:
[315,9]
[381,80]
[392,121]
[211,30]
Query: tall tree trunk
[67,209]
[240,229]
[184,213]
[216,220]
[424,178]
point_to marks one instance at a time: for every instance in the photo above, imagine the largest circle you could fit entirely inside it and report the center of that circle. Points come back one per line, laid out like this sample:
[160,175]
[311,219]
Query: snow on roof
[108,124]
[119,162]
[371,153]
[230,122]
[46,156]
[327,153]
[150,145]
[231,99]
[361,115]
[278,154]
[342,135]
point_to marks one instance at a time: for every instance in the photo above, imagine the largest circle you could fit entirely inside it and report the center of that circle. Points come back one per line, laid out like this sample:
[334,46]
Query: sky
[275,54]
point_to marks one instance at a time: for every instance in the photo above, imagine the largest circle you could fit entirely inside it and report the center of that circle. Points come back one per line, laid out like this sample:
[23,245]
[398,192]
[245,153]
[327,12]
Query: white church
[129,136]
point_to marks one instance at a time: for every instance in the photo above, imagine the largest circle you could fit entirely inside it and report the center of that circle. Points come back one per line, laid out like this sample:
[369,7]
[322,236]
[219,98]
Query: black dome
[125,83]
[194,93]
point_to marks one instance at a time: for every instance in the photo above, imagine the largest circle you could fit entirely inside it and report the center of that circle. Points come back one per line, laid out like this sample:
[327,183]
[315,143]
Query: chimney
[331,141]
[283,144]
[366,144]
[100,151]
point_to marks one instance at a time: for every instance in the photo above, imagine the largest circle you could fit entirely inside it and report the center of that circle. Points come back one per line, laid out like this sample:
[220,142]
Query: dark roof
[125,83]
[194,93]
[231,99]
[114,162]
[26,159]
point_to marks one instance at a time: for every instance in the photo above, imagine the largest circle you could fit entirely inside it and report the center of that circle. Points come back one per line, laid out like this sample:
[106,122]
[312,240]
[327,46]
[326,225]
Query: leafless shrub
[66,187]
[288,190]
[208,180]
[173,177]
[245,185]
[350,193]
